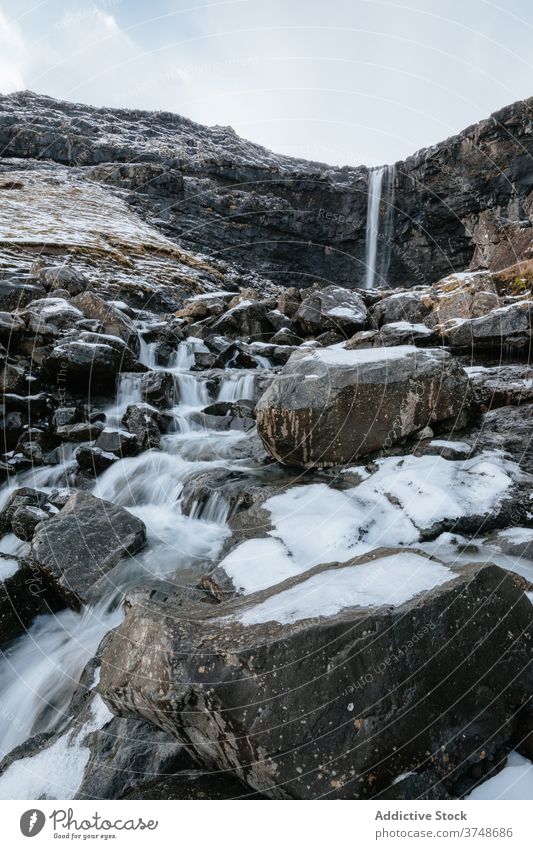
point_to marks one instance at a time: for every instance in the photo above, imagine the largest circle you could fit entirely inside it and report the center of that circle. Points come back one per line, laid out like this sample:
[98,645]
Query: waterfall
[237,387]
[379,224]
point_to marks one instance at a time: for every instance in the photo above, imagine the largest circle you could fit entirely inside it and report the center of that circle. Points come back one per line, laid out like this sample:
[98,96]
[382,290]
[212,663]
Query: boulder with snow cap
[332,308]
[327,407]
[337,681]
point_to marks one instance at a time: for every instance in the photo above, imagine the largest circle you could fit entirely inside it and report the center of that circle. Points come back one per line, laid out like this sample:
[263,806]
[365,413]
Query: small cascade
[192,390]
[128,392]
[147,353]
[183,357]
[379,224]
[214,509]
[240,387]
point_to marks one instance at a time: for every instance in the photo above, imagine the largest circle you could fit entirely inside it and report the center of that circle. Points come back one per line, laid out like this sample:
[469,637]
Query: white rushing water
[40,671]
[379,224]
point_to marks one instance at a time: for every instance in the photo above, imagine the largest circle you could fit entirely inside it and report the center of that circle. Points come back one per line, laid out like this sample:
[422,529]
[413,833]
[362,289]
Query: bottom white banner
[259,824]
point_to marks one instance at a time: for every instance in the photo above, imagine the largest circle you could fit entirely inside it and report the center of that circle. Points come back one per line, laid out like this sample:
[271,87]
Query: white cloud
[13,57]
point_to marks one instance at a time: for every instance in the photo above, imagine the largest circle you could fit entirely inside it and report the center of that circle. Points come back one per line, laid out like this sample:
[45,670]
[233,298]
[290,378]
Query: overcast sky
[343,81]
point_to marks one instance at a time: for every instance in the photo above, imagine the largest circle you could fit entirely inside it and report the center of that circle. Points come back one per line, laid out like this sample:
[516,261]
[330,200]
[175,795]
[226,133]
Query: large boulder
[510,325]
[329,406]
[77,547]
[337,681]
[332,308]
[78,363]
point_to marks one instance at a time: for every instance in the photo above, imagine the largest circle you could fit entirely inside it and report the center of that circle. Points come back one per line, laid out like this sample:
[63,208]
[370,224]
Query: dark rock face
[355,724]
[127,756]
[464,201]
[332,308]
[331,406]
[78,547]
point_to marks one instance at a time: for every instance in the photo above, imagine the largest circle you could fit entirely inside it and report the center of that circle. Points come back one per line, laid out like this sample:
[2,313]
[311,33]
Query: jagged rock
[509,325]
[25,520]
[463,296]
[79,363]
[159,389]
[38,446]
[93,459]
[11,328]
[12,426]
[330,406]
[346,717]
[194,785]
[404,333]
[14,294]
[401,306]
[285,336]
[332,308]
[508,429]
[121,443]
[63,277]
[114,321]
[500,386]
[247,319]
[278,320]
[12,378]
[23,596]
[79,432]
[22,497]
[47,316]
[364,339]
[201,308]
[142,422]
[76,548]
[289,301]
[127,756]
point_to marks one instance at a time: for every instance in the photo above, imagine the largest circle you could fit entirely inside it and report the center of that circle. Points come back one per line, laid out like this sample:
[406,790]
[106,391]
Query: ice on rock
[388,580]
[515,781]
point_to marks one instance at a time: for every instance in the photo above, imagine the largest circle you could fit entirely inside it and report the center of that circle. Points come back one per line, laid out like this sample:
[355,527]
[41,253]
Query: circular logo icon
[32,822]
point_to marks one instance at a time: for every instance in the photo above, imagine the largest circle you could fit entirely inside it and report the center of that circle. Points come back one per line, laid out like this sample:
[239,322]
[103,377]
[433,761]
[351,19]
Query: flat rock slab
[78,546]
[329,406]
[337,681]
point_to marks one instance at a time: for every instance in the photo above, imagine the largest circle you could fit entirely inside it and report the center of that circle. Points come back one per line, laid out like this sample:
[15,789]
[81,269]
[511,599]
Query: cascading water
[40,670]
[379,224]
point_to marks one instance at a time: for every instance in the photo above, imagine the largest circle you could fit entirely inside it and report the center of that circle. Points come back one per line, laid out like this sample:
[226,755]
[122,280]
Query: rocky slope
[254,540]
[463,203]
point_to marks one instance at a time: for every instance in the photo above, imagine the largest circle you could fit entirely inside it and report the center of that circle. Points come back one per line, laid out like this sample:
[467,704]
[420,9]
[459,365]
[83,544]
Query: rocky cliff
[464,203]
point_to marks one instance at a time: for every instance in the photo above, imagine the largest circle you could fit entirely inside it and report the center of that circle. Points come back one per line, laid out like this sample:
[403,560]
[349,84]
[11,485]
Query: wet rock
[141,421]
[76,548]
[12,425]
[15,295]
[127,756]
[201,308]
[80,432]
[12,377]
[330,406]
[329,724]
[22,497]
[159,389]
[23,596]
[121,443]
[332,308]
[12,327]
[93,459]
[194,785]
[508,429]
[426,785]
[25,520]
[63,277]
[78,364]
[38,446]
